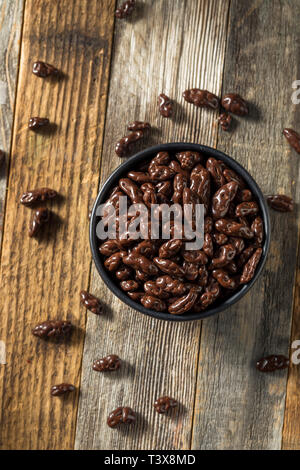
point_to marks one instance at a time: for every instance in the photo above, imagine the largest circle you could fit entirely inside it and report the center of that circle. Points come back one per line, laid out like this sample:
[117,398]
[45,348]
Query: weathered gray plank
[236,406]
[167,46]
[11,14]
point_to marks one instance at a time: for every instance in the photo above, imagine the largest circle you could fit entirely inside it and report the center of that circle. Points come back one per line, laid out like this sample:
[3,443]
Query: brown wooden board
[236,406]
[166,46]
[291,430]
[41,279]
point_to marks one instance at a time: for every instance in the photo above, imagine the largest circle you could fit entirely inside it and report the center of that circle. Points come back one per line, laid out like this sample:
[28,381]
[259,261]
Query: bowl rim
[145,155]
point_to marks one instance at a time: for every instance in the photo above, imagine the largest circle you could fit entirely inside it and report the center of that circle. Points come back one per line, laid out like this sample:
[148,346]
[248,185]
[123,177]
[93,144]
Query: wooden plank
[236,406]
[42,279]
[291,430]
[168,46]
[11,16]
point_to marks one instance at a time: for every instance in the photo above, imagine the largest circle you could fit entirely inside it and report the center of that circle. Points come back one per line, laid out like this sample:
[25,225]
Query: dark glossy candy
[222,199]
[61,389]
[225,121]
[208,225]
[153,303]
[125,9]
[226,255]
[212,292]
[91,302]
[224,279]
[235,104]
[215,168]
[139,126]
[146,248]
[164,404]
[159,169]
[232,228]
[201,184]
[232,267]
[220,238]
[40,217]
[257,228]
[246,208]
[244,195]
[165,105]
[113,262]
[123,273]
[231,175]
[170,285]
[107,364]
[169,267]
[152,289]
[272,363]
[164,188]
[136,296]
[185,303]
[36,123]
[149,194]
[201,98]
[293,138]
[195,256]
[191,270]
[142,263]
[121,415]
[179,183]
[162,158]
[188,159]
[250,266]
[245,255]
[139,176]
[238,243]
[281,203]
[131,190]
[109,247]
[176,168]
[52,329]
[122,146]
[129,285]
[170,248]
[37,195]
[43,70]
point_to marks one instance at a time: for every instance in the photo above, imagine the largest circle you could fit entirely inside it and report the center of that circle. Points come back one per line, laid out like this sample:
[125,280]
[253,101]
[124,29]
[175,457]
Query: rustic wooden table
[114,71]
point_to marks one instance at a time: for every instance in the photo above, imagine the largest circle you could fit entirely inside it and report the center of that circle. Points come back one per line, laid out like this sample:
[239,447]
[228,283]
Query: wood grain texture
[42,278]
[291,430]
[11,16]
[167,46]
[236,406]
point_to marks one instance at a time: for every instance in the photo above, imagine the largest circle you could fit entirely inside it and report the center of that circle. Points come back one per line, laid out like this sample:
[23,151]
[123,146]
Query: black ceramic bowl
[132,163]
